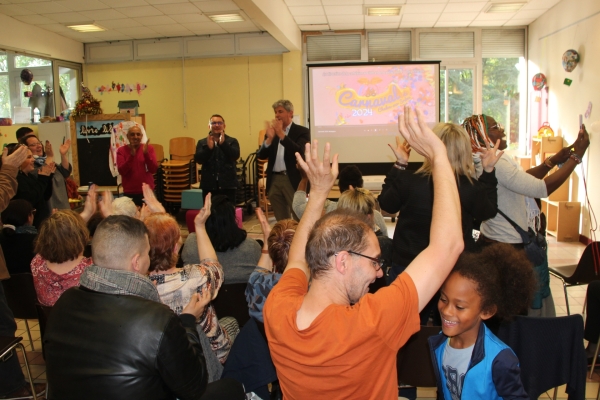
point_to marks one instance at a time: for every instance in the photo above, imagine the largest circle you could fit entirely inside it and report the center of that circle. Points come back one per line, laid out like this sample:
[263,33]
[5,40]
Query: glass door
[457,93]
[67,86]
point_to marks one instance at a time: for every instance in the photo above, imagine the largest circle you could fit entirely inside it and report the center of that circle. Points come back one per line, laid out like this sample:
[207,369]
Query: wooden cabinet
[562,219]
[544,147]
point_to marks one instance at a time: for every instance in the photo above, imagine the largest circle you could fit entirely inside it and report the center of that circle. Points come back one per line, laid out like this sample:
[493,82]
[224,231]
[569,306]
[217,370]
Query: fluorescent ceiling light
[224,18]
[382,11]
[504,7]
[87,27]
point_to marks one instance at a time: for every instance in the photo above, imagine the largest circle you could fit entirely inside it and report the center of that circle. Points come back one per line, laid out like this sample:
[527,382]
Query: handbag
[535,245]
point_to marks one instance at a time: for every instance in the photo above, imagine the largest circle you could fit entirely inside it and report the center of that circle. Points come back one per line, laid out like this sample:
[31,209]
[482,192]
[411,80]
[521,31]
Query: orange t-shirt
[348,352]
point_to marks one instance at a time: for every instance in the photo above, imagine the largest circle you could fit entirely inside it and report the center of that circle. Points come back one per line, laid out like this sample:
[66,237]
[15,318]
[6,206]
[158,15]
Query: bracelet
[575,157]
[549,163]
[264,251]
[399,165]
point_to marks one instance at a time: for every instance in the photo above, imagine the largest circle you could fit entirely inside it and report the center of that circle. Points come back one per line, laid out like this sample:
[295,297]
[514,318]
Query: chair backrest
[21,296]
[231,302]
[262,164]
[160,152]
[550,352]
[588,263]
[182,148]
[261,137]
[43,313]
[414,363]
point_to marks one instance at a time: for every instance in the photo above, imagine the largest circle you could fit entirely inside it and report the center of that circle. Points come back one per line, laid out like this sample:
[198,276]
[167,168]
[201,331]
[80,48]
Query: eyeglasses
[377,261]
[497,126]
[34,144]
[216,122]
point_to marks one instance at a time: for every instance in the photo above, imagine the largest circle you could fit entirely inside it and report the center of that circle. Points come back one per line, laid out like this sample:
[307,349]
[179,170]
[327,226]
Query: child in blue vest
[470,361]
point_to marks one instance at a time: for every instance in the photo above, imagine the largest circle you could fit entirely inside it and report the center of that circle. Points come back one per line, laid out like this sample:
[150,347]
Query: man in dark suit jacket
[283,139]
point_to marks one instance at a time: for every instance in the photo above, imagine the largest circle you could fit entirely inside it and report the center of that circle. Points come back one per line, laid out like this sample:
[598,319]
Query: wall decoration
[570,59]
[87,105]
[26,76]
[568,81]
[588,112]
[538,81]
[122,88]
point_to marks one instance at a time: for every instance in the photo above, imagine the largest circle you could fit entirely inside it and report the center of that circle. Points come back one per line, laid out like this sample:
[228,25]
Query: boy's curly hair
[504,278]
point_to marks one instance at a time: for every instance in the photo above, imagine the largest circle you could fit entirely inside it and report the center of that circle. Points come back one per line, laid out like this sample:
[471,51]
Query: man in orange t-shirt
[335,341]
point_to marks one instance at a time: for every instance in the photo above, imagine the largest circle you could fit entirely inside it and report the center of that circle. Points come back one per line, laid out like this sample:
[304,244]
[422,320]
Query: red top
[49,285]
[136,169]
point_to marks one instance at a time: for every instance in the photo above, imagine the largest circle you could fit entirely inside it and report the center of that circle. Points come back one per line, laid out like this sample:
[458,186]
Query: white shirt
[279,164]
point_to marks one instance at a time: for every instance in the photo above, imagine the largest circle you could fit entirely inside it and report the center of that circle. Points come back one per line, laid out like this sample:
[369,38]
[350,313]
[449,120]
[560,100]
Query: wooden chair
[21,298]
[182,148]
[160,152]
[263,200]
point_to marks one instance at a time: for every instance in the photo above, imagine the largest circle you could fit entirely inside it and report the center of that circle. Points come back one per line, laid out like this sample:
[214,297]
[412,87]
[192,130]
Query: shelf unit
[544,147]
[562,219]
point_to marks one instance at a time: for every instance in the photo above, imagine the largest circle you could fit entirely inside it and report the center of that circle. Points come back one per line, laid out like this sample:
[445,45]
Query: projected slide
[364,100]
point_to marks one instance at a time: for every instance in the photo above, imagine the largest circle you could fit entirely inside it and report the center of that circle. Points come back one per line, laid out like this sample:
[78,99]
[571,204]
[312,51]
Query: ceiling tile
[240,30]
[382,20]
[495,16]
[424,1]
[420,17]
[381,25]
[449,17]
[216,6]
[343,10]
[479,22]
[46,7]
[416,24]
[154,2]
[216,30]
[120,23]
[155,20]
[173,29]
[385,2]
[321,27]
[111,35]
[79,5]
[23,1]
[66,18]
[125,3]
[464,1]
[341,2]
[453,23]
[58,28]
[34,19]
[179,8]
[311,20]
[423,8]
[143,11]
[539,5]
[529,14]
[103,15]
[519,22]
[343,27]
[187,18]
[203,26]
[303,11]
[346,19]
[137,30]
[12,10]
[147,36]
[303,2]
[464,7]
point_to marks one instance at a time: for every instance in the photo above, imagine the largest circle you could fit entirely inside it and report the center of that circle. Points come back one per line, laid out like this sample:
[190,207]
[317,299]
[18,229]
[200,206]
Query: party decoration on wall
[538,81]
[545,130]
[121,88]
[568,81]
[26,76]
[570,60]
[87,105]
[588,112]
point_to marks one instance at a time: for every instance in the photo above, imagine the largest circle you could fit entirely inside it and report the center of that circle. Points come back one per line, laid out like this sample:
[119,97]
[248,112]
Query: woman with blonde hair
[59,260]
[411,193]
[177,285]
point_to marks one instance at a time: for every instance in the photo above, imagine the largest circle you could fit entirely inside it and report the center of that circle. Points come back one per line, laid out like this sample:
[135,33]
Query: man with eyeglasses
[218,154]
[283,138]
[333,340]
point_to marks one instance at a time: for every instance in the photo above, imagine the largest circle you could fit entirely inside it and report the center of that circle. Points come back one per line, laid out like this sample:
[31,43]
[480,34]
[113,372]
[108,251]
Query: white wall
[16,35]
[572,24]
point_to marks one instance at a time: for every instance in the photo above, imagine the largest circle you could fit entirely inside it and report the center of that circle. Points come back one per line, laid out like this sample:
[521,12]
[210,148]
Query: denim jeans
[11,376]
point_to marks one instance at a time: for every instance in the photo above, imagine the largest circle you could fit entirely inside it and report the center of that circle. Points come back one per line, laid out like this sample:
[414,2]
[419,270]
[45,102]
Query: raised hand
[401,151]
[204,213]
[418,134]
[489,156]
[264,224]
[105,205]
[195,307]
[277,126]
[152,203]
[321,174]
[146,146]
[269,132]
[90,207]
[48,149]
[210,141]
[47,169]
[64,148]
[582,142]
[16,158]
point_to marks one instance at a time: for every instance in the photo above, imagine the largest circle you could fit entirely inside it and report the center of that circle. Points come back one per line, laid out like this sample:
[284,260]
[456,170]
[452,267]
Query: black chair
[7,345]
[21,298]
[43,313]
[231,302]
[582,273]
[550,352]
[413,361]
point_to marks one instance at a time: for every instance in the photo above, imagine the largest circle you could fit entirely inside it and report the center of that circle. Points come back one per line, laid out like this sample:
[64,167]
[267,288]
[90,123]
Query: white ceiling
[145,19]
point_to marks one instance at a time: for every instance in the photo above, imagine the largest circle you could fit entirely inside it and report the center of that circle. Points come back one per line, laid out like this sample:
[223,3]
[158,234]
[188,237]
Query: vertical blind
[389,46]
[333,47]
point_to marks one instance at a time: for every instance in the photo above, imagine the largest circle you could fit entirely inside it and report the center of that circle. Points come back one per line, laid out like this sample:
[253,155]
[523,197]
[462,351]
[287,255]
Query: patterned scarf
[113,281]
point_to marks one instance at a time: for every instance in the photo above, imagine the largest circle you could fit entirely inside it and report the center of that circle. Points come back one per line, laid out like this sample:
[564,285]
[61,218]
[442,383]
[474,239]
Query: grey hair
[285,104]
[124,206]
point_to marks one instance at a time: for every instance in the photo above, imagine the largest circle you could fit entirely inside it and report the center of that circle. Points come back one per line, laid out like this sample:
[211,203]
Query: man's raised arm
[321,175]
[431,267]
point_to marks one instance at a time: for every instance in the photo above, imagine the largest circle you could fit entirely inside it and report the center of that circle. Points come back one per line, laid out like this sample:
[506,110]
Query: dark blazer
[295,141]
[219,164]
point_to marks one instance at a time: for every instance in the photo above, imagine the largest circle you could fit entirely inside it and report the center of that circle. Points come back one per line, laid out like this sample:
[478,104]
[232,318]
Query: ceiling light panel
[504,7]
[225,18]
[382,11]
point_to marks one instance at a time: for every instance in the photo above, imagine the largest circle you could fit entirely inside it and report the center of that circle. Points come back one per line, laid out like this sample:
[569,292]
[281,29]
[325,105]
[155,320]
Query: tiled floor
[559,253]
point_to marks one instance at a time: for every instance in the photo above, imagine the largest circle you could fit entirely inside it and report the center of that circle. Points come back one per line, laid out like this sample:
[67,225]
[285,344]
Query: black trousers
[592,320]
[224,389]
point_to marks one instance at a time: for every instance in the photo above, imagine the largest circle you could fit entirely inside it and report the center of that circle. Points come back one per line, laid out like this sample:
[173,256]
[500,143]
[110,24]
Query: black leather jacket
[106,346]
[219,164]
